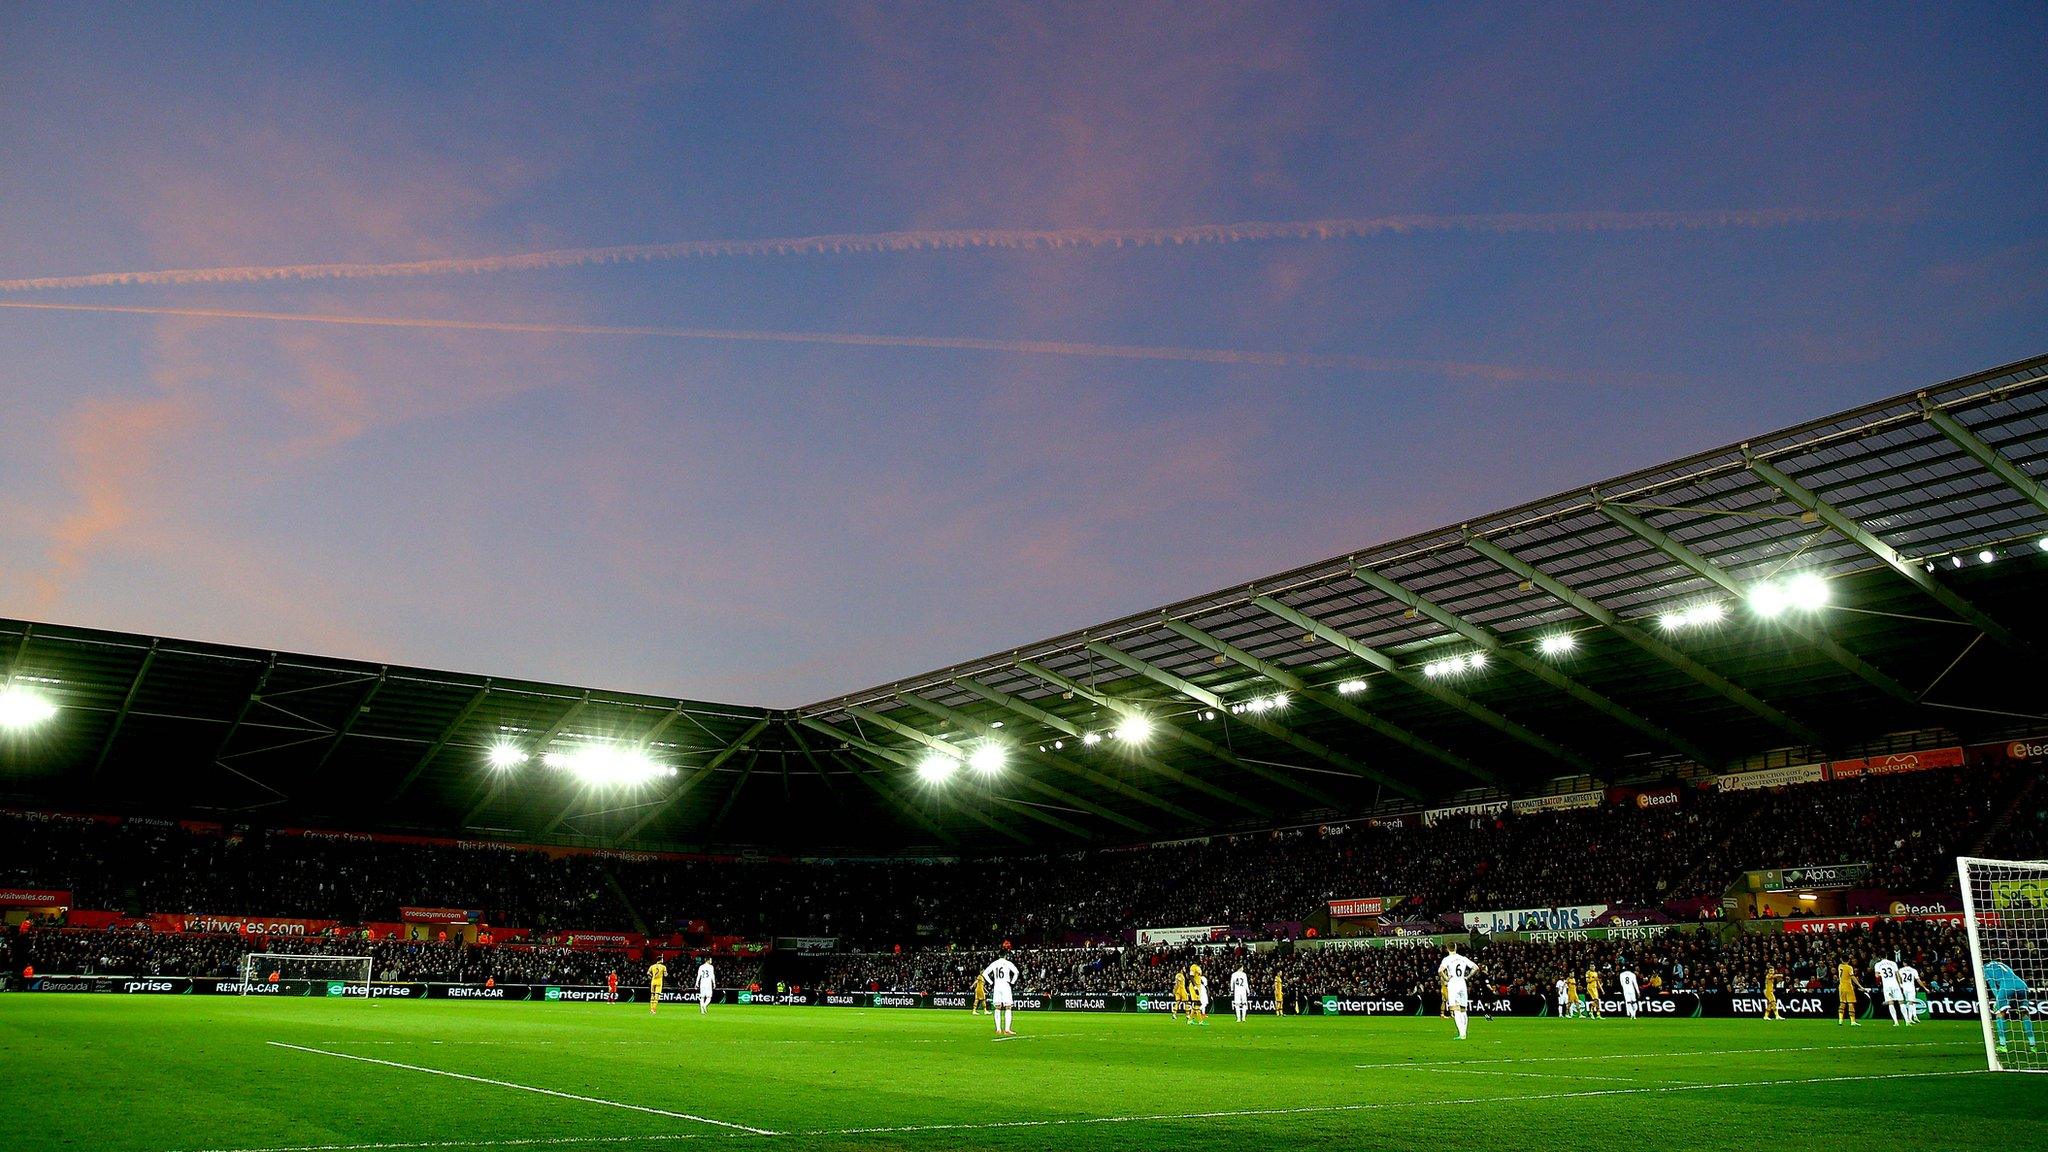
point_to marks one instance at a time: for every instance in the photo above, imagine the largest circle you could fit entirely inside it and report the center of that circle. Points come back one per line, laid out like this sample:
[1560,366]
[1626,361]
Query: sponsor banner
[1483,808]
[807,945]
[1822,925]
[749,996]
[1616,932]
[439,915]
[1362,906]
[1187,935]
[2027,750]
[1897,763]
[1649,798]
[1772,777]
[1534,919]
[34,898]
[1808,876]
[1881,902]
[951,1000]
[1562,802]
[480,992]
[199,922]
[604,939]
[1099,1002]
[1631,918]
[1367,1005]
[2019,895]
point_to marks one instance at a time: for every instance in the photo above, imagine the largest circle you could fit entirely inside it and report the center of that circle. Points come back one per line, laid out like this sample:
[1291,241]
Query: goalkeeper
[2008,995]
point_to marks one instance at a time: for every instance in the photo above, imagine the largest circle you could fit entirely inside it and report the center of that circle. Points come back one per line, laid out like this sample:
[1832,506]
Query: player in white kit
[1001,975]
[1564,999]
[706,981]
[1888,978]
[1629,992]
[1454,969]
[1240,993]
[1909,990]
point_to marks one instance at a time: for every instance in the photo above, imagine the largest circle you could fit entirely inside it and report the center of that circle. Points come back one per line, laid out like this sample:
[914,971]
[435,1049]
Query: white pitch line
[1077,1121]
[1662,1055]
[1538,1075]
[522,1087]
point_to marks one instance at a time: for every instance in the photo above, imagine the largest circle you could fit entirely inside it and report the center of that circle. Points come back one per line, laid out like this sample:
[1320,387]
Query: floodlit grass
[148,1074]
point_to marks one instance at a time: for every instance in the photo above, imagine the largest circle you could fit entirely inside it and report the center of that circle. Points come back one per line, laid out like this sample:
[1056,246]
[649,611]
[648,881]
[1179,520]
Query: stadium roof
[1410,672]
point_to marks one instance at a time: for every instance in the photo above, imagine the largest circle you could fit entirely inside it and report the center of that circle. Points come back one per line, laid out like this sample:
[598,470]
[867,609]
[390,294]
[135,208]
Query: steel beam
[948,748]
[796,734]
[1057,761]
[1332,702]
[895,801]
[732,797]
[1181,735]
[852,740]
[1424,684]
[1719,577]
[1648,643]
[701,774]
[440,742]
[355,714]
[1024,708]
[1491,641]
[248,705]
[121,716]
[1278,732]
[1834,518]
[1985,454]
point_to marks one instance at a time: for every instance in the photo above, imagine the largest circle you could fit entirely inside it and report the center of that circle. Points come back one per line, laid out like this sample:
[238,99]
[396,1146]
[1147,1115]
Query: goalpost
[346,971]
[2005,913]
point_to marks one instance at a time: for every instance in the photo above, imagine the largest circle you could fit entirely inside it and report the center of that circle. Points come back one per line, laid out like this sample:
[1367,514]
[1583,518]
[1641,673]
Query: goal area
[2005,914]
[349,972]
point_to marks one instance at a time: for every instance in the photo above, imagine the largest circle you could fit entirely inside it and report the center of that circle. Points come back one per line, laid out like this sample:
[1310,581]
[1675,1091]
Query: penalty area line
[1663,1055]
[1082,1121]
[523,1087]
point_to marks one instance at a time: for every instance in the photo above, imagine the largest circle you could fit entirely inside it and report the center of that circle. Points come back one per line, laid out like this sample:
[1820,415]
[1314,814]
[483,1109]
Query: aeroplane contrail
[1494,373]
[924,240]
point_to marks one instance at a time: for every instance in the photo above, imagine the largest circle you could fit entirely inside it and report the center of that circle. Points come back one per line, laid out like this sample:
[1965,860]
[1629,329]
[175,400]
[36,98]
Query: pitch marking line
[1079,1121]
[1663,1055]
[522,1087]
[1537,1075]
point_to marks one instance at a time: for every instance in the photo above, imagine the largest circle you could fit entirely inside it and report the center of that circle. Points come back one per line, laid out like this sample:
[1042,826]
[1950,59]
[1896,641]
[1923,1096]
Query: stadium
[1696,805]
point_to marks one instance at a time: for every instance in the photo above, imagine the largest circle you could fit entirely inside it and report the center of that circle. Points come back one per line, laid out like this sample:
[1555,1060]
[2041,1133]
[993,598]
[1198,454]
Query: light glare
[1557,644]
[607,765]
[23,708]
[987,759]
[936,767]
[1136,729]
[507,756]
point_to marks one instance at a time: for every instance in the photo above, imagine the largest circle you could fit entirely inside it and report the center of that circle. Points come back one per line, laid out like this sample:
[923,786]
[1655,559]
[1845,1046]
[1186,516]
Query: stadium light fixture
[936,767]
[988,759]
[24,708]
[2044,543]
[1986,556]
[1091,738]
[1136,729]
[505,755]
[1557,643]
[607,765]
[1693,616]
[1350,687]
[1803,591]
[1452,665]
[1955,561]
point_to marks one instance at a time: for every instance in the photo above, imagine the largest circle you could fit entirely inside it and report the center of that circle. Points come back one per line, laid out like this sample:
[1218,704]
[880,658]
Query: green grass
[147,1074]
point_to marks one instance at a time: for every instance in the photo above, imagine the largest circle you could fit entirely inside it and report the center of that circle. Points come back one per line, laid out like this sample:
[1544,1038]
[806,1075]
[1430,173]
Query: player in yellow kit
[1180,992]
[1593,992]
[656,973]
[1279,1004]
[1771,1009]
[1571,992]
[980,994]
[1198,996]
[1845,973]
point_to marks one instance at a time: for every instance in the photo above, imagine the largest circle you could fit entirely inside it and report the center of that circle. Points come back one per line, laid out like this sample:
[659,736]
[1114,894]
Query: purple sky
[1627,235]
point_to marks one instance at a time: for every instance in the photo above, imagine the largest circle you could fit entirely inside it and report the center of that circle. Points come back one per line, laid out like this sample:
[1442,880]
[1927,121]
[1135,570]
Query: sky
[760,353]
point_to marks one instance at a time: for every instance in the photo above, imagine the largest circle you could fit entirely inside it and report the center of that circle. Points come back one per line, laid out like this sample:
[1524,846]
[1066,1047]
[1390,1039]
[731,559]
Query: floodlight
[1707,612]
[506,756]
[2044,543]
[1279,700]
[988,759]
[607,764]
[1475,660]
[995,723]
[1091,738]
[1769,599]
[24,708]
[1209,714]
[1136,729]
[1955,561]
[936,766]
[1672,621]
[1986,556]
[1351,687]
[1557,644]
[1807,591]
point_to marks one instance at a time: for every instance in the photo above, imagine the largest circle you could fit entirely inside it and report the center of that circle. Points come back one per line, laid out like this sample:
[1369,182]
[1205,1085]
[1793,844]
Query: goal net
[340,973]
[2005,912]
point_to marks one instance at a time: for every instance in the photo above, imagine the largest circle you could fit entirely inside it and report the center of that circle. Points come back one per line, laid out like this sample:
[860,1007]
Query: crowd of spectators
[1674,960]
[1908,828]
[133,953]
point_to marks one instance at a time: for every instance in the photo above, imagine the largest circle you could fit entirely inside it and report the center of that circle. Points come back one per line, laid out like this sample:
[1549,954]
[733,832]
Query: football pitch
[144,1074]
